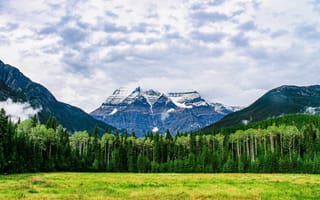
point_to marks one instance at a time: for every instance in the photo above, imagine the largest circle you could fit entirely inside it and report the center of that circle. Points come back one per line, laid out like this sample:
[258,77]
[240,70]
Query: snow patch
[114,111]
[165,115]
[221,108]
[133,96]
[152,96]
[312,110]
[17,110]
[171,110]
[181,105]
[118,96]
[200,103]
[187,99]
[155,129]
[128,96]
[245,122]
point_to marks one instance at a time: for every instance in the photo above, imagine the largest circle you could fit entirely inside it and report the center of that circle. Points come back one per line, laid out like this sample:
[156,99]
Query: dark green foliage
[289,144]
[277,102]
[299,120]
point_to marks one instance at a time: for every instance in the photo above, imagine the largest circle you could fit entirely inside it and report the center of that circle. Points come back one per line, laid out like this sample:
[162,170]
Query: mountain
[140,111]
[20,89]
[277,102]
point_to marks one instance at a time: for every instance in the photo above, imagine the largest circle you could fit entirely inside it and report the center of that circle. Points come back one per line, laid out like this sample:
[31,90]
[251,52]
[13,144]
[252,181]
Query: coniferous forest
[290,144]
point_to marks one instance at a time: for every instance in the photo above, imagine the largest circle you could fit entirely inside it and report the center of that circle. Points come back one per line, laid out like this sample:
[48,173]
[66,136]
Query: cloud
[202,17]
[17,110]
[112,14]
[141,27]
[216,2]
[240,40]
[248,26]
[229,51]
[112,28]
[9,27]
[72,36]
[279,33]
[208,37]
[308,32]
[315,4]
[200,5]
[4,41]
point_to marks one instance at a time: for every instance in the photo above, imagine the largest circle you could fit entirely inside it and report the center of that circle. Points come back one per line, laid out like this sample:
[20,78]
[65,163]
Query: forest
[273,146]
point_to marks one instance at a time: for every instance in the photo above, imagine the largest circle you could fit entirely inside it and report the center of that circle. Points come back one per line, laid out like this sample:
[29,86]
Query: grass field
[159,186]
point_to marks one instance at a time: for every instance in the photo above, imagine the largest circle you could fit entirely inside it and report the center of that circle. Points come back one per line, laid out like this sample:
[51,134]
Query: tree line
[28,146]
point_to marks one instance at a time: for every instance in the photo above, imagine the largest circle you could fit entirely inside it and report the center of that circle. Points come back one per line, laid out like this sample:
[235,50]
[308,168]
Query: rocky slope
[140,111]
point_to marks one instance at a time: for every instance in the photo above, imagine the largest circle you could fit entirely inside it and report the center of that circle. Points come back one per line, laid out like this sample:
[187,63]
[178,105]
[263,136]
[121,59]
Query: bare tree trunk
[108,163]
[232,150]
[50,148]
[299,146]
[80,148]
[213,146]
[86,144]
[222,151]
[265,147]
[293,145]
[271,143]
[281,143]
[105,152]
[290,148]
[238,149]
[251,148]
[290,156]
[247,145]
[255,146]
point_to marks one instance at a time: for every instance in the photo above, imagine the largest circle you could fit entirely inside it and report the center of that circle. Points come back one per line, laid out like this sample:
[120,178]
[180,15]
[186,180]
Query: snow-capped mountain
[140,111]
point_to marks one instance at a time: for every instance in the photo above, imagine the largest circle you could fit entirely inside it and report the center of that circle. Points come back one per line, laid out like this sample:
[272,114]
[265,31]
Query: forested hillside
[31,147]
[298,120]
[277,102]
[15,86]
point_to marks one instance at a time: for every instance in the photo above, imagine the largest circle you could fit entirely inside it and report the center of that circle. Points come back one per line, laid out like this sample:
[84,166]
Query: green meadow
[159,186]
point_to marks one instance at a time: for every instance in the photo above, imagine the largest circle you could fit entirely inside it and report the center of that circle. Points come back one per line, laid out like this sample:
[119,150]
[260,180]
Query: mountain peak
[287,90]
[152,96]
[141,110]
[152,92]
[117,96]
[125,96]
[187,99]
[138,89]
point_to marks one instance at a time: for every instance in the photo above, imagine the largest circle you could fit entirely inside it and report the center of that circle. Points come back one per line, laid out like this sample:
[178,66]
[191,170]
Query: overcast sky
[229,51]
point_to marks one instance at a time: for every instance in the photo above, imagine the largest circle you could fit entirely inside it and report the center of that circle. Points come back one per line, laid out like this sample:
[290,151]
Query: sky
[229,51]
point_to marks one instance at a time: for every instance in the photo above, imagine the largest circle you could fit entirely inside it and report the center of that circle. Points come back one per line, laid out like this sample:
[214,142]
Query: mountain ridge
[16,86]
[146,110]
[283,100]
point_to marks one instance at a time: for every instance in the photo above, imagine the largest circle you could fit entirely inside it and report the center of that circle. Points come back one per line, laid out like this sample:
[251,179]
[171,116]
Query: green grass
[159,186]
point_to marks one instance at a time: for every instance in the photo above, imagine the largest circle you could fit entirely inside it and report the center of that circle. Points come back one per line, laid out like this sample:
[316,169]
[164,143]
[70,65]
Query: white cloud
[230,51]
[18,110]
